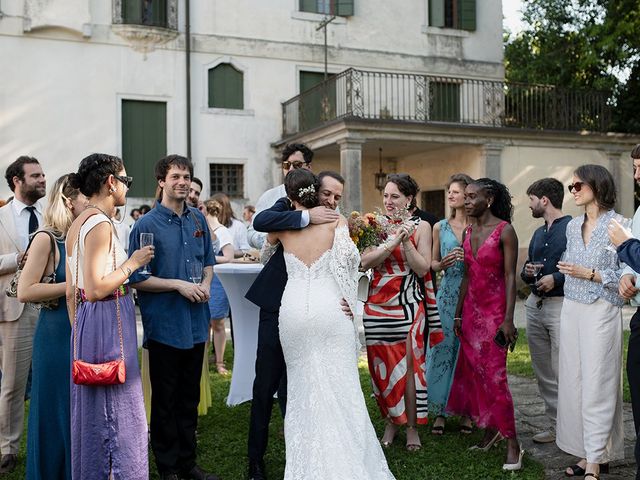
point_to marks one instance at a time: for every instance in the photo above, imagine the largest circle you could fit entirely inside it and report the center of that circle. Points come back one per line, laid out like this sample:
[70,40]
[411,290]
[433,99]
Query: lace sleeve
[267,251]
[344,266]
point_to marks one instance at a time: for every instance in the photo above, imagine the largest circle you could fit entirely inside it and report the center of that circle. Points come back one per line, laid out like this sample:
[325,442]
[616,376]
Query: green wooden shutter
[131,11]
[344,8]
[226,89]
[309,6]
[436,13]
[467,14]
[144,142]
[444,103]
[318,105]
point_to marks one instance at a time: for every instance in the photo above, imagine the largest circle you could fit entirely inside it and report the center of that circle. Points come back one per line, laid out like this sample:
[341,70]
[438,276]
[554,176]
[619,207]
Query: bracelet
[457,318]
[593,274]
[127,273]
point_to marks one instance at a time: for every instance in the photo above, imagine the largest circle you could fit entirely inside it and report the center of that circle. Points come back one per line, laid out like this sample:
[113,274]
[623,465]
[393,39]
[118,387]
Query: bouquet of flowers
[373,229]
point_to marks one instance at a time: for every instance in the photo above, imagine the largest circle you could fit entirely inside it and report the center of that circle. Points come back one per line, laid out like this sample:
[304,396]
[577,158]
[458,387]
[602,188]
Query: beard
[537,212]
[33,193]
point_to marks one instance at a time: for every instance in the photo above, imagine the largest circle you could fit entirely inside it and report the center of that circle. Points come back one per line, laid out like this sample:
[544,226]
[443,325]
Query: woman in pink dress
[484,318]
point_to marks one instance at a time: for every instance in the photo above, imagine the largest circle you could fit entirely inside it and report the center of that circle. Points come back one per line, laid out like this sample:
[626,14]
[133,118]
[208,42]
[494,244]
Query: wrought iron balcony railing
[446,100]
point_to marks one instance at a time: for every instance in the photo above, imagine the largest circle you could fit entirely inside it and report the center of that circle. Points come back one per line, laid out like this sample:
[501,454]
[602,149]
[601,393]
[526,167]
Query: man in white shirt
[294,156]
[18,220]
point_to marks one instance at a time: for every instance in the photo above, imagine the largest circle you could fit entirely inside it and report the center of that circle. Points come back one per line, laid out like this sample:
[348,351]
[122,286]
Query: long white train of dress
[328,432]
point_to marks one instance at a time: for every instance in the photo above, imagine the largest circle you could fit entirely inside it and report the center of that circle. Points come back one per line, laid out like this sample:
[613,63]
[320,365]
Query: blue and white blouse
[594,255]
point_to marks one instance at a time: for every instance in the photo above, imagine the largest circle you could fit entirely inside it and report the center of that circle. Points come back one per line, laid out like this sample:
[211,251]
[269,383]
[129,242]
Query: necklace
[101,210]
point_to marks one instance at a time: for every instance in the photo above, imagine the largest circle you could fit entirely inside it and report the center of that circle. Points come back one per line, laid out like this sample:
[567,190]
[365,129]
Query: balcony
[427,99]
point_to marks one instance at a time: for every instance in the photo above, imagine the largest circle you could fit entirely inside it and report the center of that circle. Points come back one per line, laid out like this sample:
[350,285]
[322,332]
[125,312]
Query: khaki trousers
[543,336]
[16,340]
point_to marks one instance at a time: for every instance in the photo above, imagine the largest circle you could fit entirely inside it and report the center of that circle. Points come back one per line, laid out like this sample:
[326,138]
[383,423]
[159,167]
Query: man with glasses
[294,156]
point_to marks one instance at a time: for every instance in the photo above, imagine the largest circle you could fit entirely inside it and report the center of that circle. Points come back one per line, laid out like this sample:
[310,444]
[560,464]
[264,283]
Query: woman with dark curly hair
[108,425]
[484,318]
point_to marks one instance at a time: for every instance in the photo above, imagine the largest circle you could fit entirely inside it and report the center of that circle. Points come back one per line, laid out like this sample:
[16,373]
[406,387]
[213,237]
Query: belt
[121,291]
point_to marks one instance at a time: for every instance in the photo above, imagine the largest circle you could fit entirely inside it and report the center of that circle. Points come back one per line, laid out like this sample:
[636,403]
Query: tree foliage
[591,44]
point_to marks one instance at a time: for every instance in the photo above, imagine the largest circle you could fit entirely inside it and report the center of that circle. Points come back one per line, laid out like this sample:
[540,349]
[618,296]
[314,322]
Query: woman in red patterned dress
[486,303]
[394,316]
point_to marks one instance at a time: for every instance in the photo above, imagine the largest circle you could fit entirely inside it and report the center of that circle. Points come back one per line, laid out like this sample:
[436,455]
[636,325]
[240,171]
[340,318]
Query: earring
[488,204]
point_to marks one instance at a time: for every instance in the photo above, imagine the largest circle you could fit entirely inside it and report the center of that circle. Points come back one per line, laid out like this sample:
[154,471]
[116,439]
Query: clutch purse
[106,373]
[12,288]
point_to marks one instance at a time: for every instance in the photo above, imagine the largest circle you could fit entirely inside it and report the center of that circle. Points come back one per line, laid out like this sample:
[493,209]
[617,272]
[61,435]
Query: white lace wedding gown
[328,432]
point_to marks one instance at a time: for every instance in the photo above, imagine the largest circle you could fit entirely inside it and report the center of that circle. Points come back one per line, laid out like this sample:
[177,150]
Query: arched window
[226,87]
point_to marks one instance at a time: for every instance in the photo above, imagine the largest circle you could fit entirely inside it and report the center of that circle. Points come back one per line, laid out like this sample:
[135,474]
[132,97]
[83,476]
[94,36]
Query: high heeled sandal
[514,467]
[579,471]
[437,429]
[387,443]
[413,447]
[494,441]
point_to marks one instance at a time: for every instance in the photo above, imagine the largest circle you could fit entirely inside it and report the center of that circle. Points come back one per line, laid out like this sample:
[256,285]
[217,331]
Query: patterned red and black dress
[394,311]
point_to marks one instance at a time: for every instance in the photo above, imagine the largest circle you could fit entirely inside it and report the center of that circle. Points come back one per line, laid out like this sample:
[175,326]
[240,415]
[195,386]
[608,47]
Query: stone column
[493,161]
[351,170]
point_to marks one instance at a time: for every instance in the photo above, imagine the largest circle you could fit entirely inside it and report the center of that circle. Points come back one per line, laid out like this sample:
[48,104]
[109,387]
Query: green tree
[591,44]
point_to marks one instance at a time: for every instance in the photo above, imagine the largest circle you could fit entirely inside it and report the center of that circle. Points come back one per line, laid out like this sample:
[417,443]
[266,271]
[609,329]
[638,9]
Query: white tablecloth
[236,278]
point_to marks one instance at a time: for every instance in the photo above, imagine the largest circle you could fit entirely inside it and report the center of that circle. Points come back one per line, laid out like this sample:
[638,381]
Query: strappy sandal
[593,475]
[437,429]
[387,443]
[578,471]
[413,447]
[494,441]
[222,370]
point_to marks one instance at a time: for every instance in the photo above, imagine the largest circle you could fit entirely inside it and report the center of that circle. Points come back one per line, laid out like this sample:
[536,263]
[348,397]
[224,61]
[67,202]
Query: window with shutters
[458,14]
[342,8]
[226,87]
[145,12]
[226,178]
[444,101]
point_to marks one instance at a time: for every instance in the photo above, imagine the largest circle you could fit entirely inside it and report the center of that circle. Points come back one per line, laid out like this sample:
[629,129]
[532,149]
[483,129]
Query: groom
[266,292]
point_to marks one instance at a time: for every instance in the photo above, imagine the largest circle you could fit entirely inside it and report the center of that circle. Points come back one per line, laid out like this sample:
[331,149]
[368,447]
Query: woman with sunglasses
[589,421]
[108,425]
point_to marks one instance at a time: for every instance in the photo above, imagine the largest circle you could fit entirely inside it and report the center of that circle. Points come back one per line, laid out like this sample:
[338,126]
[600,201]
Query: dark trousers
[633,374]
[271,376]
[175,384]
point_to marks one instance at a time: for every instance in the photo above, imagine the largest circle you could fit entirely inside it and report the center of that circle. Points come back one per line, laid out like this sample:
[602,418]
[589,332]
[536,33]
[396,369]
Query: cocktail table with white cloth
[236,278]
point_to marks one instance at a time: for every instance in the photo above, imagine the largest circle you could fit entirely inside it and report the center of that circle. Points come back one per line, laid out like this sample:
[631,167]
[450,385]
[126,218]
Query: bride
[328,433]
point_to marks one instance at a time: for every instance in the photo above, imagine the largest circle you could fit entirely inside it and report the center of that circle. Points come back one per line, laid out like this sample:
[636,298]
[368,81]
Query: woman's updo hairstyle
[94,171]
[407,186]
[214,208]
[302,186]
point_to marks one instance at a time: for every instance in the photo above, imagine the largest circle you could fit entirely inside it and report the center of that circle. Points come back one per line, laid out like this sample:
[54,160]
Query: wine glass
[146,240]
[195,269]
[624,223]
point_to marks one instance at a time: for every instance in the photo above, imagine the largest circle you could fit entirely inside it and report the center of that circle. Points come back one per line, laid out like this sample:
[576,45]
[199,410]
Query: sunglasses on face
[287,164]
[128,181]
[577,186]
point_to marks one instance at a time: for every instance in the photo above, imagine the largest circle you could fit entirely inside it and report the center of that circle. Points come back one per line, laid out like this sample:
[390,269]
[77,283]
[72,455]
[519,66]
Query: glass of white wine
[146,239]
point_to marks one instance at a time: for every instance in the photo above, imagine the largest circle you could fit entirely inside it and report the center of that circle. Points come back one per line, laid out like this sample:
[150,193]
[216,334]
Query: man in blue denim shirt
[543,306]
[175,316]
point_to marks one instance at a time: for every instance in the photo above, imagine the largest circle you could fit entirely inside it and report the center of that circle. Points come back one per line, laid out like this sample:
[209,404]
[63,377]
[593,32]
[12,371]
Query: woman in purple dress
[484,318]
[108,425]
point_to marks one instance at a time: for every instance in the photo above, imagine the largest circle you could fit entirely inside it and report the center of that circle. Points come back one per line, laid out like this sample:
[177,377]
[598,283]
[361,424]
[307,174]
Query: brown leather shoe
[8,462]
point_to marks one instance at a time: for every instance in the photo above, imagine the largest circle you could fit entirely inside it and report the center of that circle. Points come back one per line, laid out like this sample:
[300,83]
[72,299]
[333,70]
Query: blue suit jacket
[266,291]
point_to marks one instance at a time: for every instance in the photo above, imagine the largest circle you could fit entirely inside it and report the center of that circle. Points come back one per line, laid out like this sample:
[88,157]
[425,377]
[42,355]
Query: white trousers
[589,423]
[17,342]
[543,336]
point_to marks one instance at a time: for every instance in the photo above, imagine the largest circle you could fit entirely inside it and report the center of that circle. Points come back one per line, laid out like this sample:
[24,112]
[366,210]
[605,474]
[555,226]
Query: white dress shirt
[21,216]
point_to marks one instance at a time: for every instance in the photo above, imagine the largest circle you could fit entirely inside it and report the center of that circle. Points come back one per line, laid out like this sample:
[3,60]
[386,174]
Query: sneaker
[544,437]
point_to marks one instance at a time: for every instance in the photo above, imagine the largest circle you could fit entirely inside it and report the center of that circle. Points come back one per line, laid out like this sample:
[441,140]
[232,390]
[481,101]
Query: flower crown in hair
[307,190]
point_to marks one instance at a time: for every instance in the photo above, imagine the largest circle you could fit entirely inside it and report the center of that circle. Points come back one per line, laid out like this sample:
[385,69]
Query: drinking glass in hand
[146,240]
[196,272]
[624,223]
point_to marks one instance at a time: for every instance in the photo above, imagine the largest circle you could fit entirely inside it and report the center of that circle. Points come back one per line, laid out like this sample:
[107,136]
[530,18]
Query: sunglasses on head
[577,186]
[287,164]
[128,181]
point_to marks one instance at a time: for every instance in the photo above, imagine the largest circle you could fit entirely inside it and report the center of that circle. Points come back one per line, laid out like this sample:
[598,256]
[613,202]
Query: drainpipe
[188,72]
